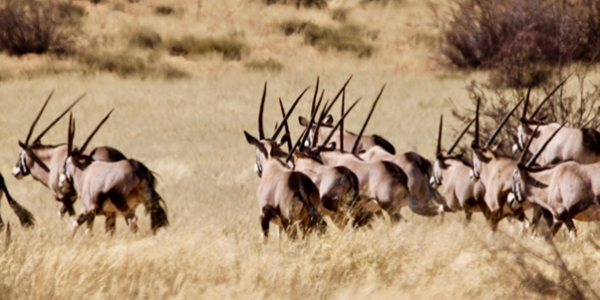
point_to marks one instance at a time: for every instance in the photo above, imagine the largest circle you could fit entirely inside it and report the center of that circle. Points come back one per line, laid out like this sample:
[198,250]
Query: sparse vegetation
[300,3]
[270,64]
[145,38]
[35,26]
[520,37]
[347,37]
[340,14]
[232,47]
[164,10]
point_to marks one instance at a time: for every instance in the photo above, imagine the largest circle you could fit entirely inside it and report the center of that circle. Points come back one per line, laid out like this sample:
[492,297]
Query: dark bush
[145,38]
[519,36]
[164,10]
[232,47]
[35,26]
[347,37]
[579,105]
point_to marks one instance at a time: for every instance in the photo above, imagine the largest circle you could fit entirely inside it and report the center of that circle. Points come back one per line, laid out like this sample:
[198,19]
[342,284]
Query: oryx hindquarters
[25,217]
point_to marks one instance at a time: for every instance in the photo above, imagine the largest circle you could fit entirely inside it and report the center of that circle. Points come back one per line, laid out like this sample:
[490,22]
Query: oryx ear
[284,139]
[330,146]
[328,120]
[303,121]
[276,152]
[459,156]
[22,145]
[92,153]
[497,147]
[254,141]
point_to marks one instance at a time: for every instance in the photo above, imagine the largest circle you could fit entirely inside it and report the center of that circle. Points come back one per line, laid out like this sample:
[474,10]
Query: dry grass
[190,132]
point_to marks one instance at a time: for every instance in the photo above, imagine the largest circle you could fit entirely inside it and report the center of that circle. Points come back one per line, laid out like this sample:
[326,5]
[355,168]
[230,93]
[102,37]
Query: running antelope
[110,188]
[568,190]
[494,171]
[383,181]
[25,217]
[578,144]
[452,173]
[285,197]
[45,163]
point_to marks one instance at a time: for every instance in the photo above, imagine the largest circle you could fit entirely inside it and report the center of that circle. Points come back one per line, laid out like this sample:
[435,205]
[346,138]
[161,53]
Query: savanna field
[182,112]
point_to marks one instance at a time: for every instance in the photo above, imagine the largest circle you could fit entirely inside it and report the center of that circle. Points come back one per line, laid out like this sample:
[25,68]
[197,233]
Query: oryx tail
[308,193]
[25,217]
[414,204]
[154,203]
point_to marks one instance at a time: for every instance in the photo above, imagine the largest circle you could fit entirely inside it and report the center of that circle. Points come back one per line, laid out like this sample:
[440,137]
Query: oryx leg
[268,213]
[572,229]
[131,220]
[83,217]
[120,202]
[1,224]
[110,223]
[90,224]
[556,224]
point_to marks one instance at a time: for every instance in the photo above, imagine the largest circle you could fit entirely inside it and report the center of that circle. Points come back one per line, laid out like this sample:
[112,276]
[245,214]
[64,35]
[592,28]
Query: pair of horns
[539,152]
[37,118]
[326,108]
[497,131]
[71,133]
[261,132]
[537,109]
[439,144]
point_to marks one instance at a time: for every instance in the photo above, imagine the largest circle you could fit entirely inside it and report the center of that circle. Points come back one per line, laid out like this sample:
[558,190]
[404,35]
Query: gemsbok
[382,182]
[25,217]
[286,198]
[110,188]
[494,171]
[451,172]
[569,190]
[578,144]
[45,163]
[338,186]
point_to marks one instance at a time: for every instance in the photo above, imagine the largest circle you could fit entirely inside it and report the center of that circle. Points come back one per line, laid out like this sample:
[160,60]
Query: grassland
[189,131]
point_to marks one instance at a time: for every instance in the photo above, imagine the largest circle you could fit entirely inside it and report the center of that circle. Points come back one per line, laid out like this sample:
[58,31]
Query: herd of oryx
[94,176]
[352,178]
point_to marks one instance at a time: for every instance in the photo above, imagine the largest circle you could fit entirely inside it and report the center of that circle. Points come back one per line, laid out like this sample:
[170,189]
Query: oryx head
[267,148]
[483,155]
[524,131]
[441,164]
[75,157]
[27,153]
[518,184]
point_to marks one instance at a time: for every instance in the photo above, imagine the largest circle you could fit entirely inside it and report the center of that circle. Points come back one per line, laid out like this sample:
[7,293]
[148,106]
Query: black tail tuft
[25,217]
[155,205]
[304,188]
[383,143]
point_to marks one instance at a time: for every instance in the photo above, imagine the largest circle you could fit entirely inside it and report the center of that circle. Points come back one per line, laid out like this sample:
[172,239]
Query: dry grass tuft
[269,64]
[145,38]
[232,47]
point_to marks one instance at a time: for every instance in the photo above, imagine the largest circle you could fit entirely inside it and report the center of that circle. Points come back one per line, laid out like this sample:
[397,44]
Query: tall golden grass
[190,132]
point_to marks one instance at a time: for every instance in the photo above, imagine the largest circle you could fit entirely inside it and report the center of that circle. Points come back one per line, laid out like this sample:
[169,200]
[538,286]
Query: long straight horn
[342,124]
[312,107]
[287,128]
[284,121]
[495,134]
[459,137]
[261,131]
[315,139]
[37,139]
[312,121]
[476,137]
[328,137]
[537,109]
[70,134]
[524,152]
[362,130]
[526,101]
[37,118]
[296,145]
[532,160]
[438,150]
[337,96]
[94,132]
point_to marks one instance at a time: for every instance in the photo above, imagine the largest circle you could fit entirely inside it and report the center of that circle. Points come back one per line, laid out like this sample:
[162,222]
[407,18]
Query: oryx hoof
[573,236]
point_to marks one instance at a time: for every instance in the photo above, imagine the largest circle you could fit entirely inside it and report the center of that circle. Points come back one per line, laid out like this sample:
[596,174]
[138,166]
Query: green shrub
[232,47]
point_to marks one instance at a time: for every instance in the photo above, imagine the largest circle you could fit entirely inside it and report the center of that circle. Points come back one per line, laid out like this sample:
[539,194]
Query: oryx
[494,171]
[383,182]
[568,191]
[110,188]
[25,217]
[451,172]
[45,163]
[286,198]
[578,144]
